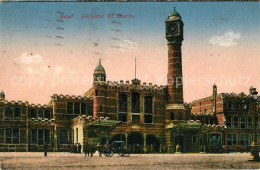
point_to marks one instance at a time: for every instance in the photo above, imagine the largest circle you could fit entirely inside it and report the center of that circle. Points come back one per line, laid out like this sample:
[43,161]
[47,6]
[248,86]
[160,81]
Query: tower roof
[174,13]
[2,93]
[99,69]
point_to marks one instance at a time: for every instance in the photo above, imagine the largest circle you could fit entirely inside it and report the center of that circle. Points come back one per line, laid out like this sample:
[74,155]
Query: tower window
[135,103]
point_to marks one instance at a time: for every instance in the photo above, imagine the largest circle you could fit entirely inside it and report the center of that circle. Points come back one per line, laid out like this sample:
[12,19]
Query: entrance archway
[117,137]
[135,142]
[179,140]
[152,144]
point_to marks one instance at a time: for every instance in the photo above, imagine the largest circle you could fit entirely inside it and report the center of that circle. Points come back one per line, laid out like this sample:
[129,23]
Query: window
[12,136]
[136,119]
[33,113]
[243,122]
[47,114]
[148,104]
[148,118]
[76,108]
[83,108]
[180,116]
[172,116]
[244,140]
[90,110]
[215,139]
[8,135]
[148,109]
[235,122]
[229,104]
[122,117]
[47,136]
[228,122]
[17,113]
[40,137]
[122,103]
[237,105]
[40,114]
[249,122]
[96,92]
[34,136]
[194,139]
[231,139]
[8,113]
[69,108]
[16,136]
[63,136]
[135,103]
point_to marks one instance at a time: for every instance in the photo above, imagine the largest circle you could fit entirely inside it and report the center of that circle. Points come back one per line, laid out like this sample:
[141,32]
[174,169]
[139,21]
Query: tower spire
[135,67]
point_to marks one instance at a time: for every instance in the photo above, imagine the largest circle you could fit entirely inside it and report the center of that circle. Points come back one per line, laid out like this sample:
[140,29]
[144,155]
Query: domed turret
[174,15]
[99,75]
[2,95]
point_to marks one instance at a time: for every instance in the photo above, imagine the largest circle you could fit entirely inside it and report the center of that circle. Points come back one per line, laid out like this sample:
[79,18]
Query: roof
[99,69]
[175,13]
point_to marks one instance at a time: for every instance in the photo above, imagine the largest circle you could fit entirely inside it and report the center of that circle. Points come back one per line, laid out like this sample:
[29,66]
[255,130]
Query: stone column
[126,141]
[145,149]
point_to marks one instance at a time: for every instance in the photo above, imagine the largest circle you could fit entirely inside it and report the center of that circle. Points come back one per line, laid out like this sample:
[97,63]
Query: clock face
[172,29]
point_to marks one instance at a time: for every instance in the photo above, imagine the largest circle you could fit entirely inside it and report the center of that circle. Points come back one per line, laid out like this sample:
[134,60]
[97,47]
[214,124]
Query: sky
[53,48]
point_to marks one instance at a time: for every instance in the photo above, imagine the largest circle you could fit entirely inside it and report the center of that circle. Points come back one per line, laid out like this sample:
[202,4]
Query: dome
[174,14]
[99,69]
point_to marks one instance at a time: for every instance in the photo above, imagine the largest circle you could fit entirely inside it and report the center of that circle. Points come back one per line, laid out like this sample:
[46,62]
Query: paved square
[30,160]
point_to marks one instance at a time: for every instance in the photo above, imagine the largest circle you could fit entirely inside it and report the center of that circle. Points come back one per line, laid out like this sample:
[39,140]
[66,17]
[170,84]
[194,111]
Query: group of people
[75,148]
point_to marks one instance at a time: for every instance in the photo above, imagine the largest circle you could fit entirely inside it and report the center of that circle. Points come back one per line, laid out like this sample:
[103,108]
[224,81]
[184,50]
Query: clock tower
[174,36]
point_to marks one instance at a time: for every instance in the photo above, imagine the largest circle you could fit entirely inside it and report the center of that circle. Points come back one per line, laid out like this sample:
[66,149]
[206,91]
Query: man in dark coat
[45,148]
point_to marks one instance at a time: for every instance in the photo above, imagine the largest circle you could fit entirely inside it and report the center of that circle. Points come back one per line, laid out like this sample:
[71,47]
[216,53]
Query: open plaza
[65,160]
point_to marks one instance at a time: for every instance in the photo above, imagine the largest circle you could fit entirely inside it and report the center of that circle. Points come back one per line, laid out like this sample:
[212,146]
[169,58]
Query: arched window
[8,113]
[17,113]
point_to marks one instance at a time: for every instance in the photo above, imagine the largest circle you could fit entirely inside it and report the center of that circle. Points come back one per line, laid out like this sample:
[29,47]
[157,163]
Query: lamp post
[254,152]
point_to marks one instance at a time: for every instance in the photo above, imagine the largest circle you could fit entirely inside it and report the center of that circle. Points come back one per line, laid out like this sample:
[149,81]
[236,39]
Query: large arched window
[8,113]
[17,113]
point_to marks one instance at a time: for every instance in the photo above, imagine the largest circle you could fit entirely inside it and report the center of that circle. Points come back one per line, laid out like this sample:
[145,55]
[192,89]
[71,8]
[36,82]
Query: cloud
[29,59]
[228,39]
[128,45]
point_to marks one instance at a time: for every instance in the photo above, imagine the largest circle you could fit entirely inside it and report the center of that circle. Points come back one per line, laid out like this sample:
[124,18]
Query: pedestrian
[45,148]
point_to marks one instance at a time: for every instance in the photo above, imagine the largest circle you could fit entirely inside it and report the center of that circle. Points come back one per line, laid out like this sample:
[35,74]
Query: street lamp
[254,153]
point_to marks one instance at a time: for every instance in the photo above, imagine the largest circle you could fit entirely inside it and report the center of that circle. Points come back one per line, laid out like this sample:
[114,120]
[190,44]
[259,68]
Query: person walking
[45,148]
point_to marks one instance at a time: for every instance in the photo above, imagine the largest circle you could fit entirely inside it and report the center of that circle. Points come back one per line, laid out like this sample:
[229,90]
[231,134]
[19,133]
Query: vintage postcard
[136,85]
